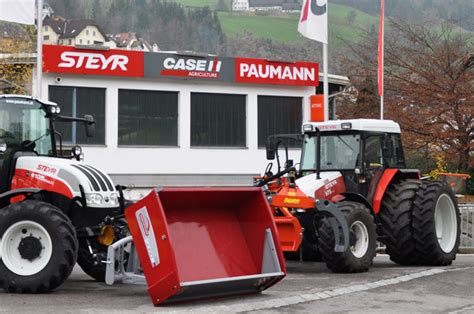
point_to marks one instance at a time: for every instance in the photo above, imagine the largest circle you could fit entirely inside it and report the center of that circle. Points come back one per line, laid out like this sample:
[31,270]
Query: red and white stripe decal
[30,179]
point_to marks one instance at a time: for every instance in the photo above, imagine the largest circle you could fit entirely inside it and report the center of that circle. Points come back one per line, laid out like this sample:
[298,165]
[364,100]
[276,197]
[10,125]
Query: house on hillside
[130,41]
[59,31]
[266,5]
[240,5]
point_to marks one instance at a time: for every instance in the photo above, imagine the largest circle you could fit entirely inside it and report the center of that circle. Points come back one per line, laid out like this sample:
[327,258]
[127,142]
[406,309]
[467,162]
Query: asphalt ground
[308,287]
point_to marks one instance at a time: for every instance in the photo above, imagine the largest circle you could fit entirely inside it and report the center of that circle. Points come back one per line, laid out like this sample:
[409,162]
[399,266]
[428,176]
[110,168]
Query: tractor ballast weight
[196,243]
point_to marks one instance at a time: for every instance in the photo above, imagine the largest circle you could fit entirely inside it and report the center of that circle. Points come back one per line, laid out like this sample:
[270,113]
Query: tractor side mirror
[387,147]
[270,150]
[90,126]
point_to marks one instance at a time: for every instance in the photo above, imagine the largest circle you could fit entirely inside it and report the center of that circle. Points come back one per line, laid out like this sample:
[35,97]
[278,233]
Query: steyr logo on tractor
[92,61]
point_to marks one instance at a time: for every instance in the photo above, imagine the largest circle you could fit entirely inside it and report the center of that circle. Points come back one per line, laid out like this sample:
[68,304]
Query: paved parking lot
[309,287]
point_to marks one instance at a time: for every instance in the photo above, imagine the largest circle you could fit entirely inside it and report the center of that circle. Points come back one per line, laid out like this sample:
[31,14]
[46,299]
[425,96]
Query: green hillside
[283,27]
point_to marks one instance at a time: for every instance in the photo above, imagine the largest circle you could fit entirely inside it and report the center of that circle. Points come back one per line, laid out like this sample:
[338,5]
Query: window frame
[71,144]
[301,98]
[245,123]
[178,95]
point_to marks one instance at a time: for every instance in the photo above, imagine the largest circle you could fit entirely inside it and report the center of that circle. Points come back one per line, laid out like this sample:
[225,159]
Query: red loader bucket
[198,243]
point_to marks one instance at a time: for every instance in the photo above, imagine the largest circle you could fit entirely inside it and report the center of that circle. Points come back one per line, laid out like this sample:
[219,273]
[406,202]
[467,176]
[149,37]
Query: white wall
[184,159]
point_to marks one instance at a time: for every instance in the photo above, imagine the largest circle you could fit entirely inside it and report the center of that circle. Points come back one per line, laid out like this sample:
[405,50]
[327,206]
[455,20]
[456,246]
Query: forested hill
[460,12]
[209,25]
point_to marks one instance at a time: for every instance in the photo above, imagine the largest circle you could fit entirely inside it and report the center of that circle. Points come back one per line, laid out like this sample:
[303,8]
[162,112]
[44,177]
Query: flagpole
[381,56]
[381,78]
[325,82]
[39,48]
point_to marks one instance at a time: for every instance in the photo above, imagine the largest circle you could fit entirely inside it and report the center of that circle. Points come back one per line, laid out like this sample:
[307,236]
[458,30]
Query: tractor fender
[5,198]
[359,198]
[388,177]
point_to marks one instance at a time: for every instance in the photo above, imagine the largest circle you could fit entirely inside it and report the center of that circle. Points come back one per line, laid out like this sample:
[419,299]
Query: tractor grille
[98,180]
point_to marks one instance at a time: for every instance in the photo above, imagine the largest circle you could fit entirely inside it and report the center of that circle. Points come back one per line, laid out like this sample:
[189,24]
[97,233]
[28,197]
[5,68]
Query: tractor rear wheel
[38,247]
[436,224]
[361,252]
[396,220]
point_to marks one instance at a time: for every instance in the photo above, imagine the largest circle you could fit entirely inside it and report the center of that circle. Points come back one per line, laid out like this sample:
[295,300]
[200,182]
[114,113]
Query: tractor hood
[330,184]
[66,176]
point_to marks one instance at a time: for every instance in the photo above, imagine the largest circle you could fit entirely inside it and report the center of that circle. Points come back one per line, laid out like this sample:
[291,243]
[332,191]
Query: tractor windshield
[339,151]
[23,124]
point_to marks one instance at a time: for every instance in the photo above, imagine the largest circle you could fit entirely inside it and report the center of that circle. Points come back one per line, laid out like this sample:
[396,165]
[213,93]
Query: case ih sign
[65,59]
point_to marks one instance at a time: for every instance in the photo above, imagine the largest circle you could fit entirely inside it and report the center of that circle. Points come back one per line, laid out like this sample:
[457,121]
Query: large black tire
[434,250]
[31,216]
[357,215]
[396,220]
[91,264]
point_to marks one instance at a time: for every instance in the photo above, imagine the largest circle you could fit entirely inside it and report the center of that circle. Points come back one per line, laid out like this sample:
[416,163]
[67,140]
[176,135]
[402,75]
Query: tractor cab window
[373,151]
[338,151]
[23,124]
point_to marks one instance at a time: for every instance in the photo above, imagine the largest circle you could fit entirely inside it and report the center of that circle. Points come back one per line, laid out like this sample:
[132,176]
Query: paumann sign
[65,59]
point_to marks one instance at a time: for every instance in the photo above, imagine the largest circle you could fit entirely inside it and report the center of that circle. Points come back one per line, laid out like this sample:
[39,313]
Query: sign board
[114,62]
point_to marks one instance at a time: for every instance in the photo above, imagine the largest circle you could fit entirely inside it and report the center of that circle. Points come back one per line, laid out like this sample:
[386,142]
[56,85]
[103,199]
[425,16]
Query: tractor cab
[360,150]
[27,129]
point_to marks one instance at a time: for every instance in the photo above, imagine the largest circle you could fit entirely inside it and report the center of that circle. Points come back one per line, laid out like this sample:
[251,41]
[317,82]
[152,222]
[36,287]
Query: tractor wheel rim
[446,223]
[359,249]
[26,248]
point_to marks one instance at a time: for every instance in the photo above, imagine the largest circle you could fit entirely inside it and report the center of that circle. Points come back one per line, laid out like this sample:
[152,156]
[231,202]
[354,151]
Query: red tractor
[359,166]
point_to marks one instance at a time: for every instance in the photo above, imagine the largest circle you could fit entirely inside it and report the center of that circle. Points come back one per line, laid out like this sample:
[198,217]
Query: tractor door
[380,151]
[373,163]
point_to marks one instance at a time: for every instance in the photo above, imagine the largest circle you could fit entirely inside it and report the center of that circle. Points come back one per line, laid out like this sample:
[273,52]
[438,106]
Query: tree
[222,6]
[429,83]
[15,71]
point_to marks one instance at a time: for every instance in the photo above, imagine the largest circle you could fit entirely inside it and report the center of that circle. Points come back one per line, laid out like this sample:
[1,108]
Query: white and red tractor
[359,165]
[185,243]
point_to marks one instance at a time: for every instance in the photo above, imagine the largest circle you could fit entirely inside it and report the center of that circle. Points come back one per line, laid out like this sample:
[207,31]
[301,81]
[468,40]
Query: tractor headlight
[94,199]
[307,127]
[114,199]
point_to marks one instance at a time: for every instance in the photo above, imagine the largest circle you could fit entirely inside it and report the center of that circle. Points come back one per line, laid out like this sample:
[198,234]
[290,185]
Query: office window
[148,118]
[218,120]
[77,102]
[278,115]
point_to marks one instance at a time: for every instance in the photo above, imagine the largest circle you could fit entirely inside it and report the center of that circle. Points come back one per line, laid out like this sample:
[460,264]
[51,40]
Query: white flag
[18,11]
[314,20]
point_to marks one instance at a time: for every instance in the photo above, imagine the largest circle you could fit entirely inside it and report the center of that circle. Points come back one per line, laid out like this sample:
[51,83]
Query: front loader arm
[338,222]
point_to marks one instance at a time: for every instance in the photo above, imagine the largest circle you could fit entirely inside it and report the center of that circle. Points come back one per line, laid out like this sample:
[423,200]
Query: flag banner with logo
[314,20]
[18,11]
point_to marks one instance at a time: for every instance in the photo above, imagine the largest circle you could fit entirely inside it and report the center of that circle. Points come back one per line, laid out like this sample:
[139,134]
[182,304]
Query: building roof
[70,28]
[371,125]
[125,39]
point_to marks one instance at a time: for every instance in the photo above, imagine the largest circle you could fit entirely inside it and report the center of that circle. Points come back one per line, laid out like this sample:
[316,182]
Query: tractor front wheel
[361,252]
[38,247]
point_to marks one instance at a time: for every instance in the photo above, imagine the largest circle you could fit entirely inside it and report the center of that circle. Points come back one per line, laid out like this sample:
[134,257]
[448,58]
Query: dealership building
[176,119]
